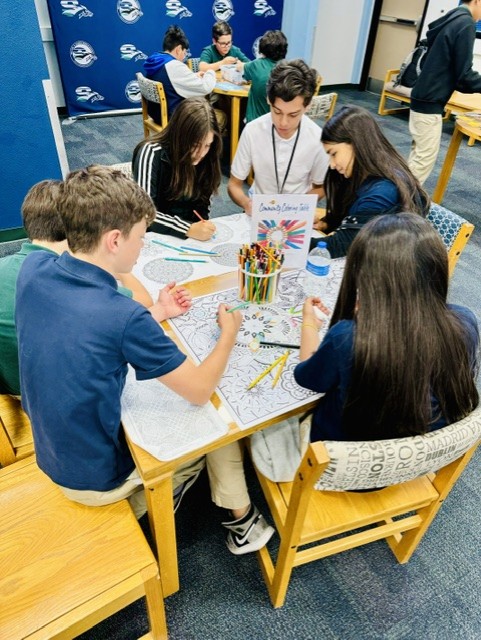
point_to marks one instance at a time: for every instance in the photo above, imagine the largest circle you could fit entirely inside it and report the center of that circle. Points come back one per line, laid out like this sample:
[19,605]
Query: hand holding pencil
[202,230]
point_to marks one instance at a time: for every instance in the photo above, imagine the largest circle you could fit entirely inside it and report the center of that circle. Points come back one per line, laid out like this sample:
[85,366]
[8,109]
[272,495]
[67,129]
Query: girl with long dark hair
[397,360]
[180,169]
[366,177]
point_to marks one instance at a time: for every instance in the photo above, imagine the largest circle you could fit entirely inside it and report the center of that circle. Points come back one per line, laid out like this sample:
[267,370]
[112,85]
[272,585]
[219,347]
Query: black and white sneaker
[249,533]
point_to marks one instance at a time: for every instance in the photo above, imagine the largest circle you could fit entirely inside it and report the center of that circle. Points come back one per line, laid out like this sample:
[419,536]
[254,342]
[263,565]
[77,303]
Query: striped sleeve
[147,169]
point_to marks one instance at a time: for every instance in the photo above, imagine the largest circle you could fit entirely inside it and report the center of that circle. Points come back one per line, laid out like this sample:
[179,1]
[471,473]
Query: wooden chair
[390,92]
[193,64]
[65,566]
[454,230]
[152,91]
[418,473]
[125,167]
[322,106]
[16,440]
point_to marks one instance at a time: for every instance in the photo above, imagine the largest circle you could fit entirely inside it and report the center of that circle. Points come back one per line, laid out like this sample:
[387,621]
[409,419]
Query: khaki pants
[425,130]
[225,468]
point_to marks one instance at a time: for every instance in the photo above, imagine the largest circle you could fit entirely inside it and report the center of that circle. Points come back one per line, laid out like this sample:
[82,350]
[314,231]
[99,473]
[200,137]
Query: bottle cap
[321,244]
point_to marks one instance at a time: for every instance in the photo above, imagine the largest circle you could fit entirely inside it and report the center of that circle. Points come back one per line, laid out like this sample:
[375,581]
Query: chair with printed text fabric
[326,509]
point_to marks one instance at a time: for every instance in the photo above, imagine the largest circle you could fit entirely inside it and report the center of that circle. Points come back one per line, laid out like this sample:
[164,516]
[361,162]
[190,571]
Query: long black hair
[408,344]
[374,156]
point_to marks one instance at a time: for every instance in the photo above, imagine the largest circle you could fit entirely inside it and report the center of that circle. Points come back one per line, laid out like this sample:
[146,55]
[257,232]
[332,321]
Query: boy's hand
[229,322]
[172,302]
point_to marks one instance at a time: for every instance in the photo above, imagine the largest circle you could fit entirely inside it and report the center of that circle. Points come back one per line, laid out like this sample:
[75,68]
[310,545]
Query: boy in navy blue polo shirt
[76,335]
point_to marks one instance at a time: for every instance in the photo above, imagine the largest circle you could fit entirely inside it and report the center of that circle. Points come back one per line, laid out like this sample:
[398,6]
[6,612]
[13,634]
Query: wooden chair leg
[155,605]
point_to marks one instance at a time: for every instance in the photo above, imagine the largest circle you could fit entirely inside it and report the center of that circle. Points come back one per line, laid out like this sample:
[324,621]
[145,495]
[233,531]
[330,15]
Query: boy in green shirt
[221,51]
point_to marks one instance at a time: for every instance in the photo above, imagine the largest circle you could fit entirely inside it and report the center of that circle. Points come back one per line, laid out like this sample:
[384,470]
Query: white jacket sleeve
[187,83]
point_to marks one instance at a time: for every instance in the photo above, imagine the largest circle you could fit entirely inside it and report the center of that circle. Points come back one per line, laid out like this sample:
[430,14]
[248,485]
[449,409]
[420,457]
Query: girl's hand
[202,230]
[313,312]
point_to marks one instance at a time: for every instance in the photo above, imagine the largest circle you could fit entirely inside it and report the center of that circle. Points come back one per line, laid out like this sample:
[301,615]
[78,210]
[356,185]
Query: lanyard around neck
[281,189]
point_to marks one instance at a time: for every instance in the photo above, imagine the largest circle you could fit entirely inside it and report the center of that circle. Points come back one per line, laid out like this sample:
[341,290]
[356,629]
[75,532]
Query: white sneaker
[249,533]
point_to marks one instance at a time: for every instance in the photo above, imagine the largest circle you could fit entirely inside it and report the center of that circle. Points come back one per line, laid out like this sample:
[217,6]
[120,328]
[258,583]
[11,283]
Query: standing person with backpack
[447,67]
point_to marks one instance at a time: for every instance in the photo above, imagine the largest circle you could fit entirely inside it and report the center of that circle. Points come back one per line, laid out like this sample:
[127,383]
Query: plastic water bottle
[317,271]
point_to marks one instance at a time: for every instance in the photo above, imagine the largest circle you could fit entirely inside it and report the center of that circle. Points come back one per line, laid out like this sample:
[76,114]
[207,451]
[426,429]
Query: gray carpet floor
[362,594]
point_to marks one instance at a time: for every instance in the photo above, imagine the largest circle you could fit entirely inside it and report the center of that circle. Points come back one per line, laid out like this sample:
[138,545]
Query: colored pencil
[239,306]
[281,369]
[184,260]
[265,372]
[209,253]
[169,246]
[279,344]
[199,216]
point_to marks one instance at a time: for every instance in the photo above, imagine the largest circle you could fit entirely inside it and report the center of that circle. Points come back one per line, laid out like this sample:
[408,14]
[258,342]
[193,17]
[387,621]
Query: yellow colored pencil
[265,372]
[281,368]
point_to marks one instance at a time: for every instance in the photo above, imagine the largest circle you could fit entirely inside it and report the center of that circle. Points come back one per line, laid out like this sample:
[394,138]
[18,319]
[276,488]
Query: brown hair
[290,79]
[40,215]
[98,199]
[408,345]
[273,45]
[188,127]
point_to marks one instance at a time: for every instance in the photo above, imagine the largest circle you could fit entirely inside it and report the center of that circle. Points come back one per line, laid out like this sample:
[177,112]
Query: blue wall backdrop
[27,148]
[102,45]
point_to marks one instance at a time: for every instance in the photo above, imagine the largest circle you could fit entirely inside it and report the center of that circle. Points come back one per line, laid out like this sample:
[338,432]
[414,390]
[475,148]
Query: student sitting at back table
[272,48]
[180,169]
[76,336]
[397,360]
[281,147]
[178,80]
[367,177]
[221,51]
[46,232]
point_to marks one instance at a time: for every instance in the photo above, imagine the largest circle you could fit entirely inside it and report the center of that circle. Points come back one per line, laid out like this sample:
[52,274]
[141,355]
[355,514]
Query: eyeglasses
[224,44]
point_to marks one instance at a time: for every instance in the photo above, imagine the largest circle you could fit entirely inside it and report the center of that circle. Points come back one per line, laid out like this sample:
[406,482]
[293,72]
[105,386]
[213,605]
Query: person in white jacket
[178,80]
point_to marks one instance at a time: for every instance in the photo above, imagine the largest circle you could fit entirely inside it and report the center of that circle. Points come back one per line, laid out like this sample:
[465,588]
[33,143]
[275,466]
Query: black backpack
[412,65]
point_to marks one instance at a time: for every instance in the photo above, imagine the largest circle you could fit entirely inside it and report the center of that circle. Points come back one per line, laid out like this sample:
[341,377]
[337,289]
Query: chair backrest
[193,64]
[322,106]
[10,246]
[381,463]
[152,91]
[453,229]
[125,167]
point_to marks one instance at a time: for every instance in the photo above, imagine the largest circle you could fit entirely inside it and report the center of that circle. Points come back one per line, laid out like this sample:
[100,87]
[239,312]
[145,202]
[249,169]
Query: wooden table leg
[448,165]
[160,507]
[234,126]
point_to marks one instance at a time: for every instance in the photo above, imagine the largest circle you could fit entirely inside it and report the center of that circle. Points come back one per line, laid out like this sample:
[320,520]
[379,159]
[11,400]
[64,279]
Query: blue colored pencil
[169,246]
[208,253]
[184,260]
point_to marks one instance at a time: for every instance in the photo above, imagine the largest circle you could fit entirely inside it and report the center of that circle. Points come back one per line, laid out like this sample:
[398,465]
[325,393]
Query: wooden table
[461,129]
[235,93]
[463,102]
[157,475]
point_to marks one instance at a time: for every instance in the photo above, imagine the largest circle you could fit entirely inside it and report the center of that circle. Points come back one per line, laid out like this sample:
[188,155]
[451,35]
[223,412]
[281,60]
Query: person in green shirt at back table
[221,51]
[272,48]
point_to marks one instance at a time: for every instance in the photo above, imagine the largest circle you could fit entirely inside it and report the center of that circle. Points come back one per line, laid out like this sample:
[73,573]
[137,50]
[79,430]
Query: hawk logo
[86,94]
[130,52]
[262,8]
[223,10]
[72,9]
[129,10]
[132,91]
[82,54]
[174,9]
[255,47]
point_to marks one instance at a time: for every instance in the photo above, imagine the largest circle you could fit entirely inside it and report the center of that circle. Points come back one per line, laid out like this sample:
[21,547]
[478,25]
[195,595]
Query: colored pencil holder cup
[258,287]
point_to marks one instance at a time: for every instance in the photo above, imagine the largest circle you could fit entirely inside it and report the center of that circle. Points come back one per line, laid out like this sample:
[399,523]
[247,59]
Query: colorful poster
[285,220]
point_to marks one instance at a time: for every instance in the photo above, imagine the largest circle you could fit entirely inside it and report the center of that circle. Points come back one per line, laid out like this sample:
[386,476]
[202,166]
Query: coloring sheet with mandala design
[277,322]
[154,271]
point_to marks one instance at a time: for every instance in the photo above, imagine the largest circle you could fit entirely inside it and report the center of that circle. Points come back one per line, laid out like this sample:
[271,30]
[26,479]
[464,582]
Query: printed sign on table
[285,220]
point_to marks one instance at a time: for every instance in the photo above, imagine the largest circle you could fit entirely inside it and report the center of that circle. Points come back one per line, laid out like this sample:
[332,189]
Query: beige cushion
[402,91]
